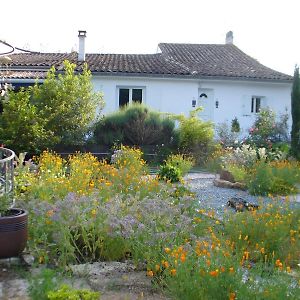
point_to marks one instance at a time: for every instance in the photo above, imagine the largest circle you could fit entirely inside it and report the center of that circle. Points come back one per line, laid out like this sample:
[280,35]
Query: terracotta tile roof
[23,74]
[214,60]
[102,63]
[187,60]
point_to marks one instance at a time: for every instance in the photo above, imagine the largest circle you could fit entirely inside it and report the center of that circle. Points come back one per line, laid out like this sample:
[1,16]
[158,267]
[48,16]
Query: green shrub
[226,136]
[276,178]
[239,172]
[42,283]
[21,126]
[170,173]
[266,130]
[134,125]
[182,162]
[268,234]
[235,125]
[66,292]
[59,111]
[195,135]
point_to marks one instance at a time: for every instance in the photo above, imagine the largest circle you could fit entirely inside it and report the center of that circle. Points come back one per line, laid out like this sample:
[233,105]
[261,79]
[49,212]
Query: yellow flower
[288,269]
[41,259]
[150,273]
[277,262]
[167,250]
[246,254]
[232,296]
[94,212]
[231,270]
[48,222]
[173,272]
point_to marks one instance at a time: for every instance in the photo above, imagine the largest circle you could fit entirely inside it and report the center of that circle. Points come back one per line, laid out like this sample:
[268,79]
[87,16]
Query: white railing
[6,172]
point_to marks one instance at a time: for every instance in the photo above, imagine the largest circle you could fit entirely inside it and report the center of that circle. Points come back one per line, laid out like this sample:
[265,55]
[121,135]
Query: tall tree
[295,107]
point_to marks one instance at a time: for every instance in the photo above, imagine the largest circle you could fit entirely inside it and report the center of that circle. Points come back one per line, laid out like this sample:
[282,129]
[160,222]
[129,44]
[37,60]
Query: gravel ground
[216,198]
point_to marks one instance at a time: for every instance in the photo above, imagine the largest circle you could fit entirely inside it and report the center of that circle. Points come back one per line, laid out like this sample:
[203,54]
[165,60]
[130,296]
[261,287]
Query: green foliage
[61,110]
[225,136]
[182,162]
[5,203]
[42,283]
[170,173]
[134,125]
[213,162]
[235,125]
[195,136]
[239,172]
[275,178]
[268,234]
[266,130]
[22,127]
[68,103]
[295,110]
[66,292]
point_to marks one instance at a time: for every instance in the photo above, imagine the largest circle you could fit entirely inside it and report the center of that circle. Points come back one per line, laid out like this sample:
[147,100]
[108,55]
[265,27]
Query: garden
[88,211]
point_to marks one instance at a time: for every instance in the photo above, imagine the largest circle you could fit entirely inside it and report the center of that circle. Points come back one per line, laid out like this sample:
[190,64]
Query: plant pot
[13,233]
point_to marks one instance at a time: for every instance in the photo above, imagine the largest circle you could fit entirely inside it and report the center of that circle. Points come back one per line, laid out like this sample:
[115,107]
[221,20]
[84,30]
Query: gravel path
[216,198]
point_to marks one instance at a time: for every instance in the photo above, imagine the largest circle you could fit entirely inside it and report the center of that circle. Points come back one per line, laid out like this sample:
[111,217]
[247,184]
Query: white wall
[176,95]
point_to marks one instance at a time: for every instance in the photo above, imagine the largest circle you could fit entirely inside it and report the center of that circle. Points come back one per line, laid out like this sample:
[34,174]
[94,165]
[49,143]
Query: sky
[268,30]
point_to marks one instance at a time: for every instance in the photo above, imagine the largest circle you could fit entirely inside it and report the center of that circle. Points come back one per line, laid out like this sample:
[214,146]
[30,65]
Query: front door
[206,101]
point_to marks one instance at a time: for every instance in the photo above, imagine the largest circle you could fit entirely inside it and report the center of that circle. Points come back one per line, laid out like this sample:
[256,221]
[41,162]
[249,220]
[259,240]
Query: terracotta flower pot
[13,233]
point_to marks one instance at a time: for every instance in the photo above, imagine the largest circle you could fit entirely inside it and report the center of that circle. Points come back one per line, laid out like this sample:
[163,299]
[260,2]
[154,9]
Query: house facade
[221,78]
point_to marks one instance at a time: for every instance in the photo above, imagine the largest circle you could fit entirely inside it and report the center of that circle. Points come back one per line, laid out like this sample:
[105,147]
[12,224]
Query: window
[255,104]
[130,95]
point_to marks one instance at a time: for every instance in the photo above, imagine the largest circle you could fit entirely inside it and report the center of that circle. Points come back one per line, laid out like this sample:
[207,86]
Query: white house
[221,78]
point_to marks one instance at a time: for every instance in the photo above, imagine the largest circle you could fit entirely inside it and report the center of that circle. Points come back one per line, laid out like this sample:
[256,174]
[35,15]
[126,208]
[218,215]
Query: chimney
[229,38]
[81,48]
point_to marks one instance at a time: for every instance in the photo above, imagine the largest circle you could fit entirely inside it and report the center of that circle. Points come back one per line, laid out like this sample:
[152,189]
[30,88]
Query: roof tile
[189,60]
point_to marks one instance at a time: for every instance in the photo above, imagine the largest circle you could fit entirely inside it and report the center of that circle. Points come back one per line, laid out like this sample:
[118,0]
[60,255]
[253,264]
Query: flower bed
[83,210]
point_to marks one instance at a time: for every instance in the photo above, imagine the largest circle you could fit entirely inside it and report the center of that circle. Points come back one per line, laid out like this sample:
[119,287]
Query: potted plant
[13,221]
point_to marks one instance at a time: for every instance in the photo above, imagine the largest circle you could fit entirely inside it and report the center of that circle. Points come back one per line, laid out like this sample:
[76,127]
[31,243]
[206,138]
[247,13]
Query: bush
[268,234]
[225,136]
[68,103]
[182,162]
[195,135]
[42,283]
[170,173]
[242,156]
[59,111]
[21,126]
[66,292]
[235,125]
[266,130]
[275,178]
[134,125]
[239,172]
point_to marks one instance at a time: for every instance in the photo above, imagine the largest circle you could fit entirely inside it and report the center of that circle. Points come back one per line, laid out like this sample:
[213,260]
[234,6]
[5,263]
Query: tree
[295,107]
[68,103]
[21,127]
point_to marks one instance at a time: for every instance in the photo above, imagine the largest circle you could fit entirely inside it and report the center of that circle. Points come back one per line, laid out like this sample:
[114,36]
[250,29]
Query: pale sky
[268,30]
